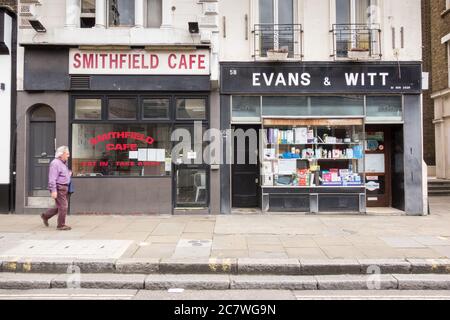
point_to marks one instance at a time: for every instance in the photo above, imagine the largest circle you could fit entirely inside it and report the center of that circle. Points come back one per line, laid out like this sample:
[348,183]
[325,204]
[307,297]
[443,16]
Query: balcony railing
[278,41]
[356,41]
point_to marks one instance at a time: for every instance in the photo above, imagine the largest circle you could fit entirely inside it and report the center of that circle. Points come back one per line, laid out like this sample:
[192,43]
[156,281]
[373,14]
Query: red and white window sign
[139,62]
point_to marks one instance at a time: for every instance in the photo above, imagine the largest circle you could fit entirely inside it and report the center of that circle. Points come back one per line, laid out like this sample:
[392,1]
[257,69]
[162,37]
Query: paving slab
[250,282]
[199,266]
[384,266]
[268,266]
[25,281]
[330,266]
[193,282]
[423,266]
[99,281]
[356,282]
[137,266]
[423,282]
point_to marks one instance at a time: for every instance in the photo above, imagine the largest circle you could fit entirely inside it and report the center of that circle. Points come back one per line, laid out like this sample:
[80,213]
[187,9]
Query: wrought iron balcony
[278,41]
[356,41]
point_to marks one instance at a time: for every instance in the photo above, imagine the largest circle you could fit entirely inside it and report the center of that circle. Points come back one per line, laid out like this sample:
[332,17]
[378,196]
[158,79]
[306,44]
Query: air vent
[80,82]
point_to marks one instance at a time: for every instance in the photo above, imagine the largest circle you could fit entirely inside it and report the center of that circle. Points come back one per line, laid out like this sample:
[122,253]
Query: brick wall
[440,26]
[429,153]
[11,3]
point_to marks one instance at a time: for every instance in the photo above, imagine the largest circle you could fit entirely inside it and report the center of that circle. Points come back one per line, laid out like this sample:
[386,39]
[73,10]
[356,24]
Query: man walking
[58,183]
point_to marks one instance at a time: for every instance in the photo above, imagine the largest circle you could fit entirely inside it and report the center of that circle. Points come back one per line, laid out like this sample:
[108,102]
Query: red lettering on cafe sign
[121,135]
[139,62]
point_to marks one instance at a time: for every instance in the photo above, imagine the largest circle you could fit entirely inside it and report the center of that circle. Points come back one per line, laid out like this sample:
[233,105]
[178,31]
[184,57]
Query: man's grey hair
[60,151]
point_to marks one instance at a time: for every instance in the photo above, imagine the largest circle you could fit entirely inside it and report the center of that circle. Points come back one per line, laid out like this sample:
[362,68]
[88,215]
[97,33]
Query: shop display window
[384,108]
[120,150]
[191,109]
[246,109]
[313,153]
[88,109]
[122,109]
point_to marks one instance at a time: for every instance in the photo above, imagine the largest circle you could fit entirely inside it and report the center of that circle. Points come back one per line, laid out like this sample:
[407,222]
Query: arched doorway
[41,148]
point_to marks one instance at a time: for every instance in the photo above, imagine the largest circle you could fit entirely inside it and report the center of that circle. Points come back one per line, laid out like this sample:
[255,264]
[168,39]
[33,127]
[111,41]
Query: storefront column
[100,13]
[166,14]
[225,168]
[139,14]
[413,155]
[72,13]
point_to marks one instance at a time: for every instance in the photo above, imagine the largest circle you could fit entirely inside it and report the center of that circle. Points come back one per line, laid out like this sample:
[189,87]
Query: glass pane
[362,11]
[121,13]
[122,109]
[266,11]
[155,109]
[285,11]
[285,106]
[154,13]
[121,150]
[191,109]
[337,106]
[88,6]
[191,187]
[343,12]
[246,108]
[384,108]
[191,139]
[88,109]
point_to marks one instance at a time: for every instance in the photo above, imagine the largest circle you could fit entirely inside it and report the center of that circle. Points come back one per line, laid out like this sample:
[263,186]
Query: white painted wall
[5,106]
[316,18]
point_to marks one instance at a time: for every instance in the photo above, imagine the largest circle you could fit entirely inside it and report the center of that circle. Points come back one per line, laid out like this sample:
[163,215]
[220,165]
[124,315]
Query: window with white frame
[276,30]
[154,13]
[121,13]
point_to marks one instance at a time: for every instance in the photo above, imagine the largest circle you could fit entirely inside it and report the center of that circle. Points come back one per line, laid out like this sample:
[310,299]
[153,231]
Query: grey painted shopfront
[118,126]
[335,137]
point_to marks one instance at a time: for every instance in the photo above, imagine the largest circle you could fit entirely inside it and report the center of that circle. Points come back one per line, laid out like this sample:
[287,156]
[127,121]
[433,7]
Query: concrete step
[241,266]
[18,281]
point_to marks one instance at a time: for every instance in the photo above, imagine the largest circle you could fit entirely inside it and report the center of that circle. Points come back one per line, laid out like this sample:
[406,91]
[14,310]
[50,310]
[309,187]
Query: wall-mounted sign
[139,62]
[263,78]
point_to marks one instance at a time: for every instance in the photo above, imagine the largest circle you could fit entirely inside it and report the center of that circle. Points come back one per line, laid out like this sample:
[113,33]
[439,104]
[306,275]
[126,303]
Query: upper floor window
[356,11]
[88,6]
[154,13]
[121,13]
[276,11]
[87,18]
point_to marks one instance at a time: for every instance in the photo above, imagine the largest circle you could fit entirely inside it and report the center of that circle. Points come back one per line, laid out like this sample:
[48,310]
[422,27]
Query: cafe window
[155,108]
[154,13]
[246,109]
[122,109]
[88,109]
[121,13]
[384,109]
[114,149]
[191,109]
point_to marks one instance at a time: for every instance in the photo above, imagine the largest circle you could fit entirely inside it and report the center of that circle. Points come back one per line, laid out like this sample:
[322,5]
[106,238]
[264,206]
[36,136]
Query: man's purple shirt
[58,173]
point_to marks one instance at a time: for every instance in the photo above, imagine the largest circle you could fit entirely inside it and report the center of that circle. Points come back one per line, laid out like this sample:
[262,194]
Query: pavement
[378,235]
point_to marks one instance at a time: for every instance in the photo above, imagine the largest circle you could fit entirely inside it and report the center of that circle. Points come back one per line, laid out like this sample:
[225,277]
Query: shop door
[245,177]
[41,150]
[191,179]
[378,168]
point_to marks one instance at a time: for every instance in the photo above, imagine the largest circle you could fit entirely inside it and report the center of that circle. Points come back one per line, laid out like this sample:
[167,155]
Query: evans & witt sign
[325,78]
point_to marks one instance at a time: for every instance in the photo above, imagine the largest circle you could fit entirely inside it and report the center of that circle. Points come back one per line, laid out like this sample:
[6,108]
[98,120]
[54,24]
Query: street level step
[241,266]
[15,281]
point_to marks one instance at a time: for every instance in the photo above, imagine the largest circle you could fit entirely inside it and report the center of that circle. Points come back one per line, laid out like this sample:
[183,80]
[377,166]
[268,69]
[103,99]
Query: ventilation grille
[80,82]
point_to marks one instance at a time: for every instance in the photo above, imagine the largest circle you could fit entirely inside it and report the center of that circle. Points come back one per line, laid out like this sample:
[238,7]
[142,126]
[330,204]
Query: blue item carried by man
[71,188]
